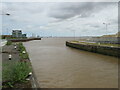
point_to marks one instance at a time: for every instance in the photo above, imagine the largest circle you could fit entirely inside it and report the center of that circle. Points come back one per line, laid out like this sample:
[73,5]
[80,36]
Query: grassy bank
[23,52]
[15,72]
[9,43]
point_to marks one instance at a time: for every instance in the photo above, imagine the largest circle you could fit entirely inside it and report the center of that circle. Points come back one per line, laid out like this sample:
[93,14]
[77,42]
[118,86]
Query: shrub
[15,72]
[8,43]
[24,56]
[21,71]
[21,48]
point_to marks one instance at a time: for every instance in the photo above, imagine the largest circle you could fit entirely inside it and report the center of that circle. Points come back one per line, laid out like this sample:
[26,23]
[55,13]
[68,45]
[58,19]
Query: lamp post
[73,33]
[106,24]
[5,14]
[80,36]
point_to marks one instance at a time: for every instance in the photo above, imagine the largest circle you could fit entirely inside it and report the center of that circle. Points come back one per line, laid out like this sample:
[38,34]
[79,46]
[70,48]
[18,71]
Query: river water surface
[58,66]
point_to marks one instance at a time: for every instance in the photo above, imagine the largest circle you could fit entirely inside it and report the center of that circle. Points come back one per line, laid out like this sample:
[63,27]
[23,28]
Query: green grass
[21,48]
[8,43]
[24,56]
[15,72]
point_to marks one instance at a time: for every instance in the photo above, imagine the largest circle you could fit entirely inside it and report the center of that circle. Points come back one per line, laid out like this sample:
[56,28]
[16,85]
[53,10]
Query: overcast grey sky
[61,18]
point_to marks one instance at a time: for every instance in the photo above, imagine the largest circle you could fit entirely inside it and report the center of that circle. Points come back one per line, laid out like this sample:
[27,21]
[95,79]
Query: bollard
[10,56]
[15,47]
[23,52]
[28,77]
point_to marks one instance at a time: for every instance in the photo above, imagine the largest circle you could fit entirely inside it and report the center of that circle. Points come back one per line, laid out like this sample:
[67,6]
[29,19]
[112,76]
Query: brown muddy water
[58,66]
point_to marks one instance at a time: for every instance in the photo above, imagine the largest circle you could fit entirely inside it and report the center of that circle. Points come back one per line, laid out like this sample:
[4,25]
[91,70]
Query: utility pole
[106,24]
[73,34]
[7,14]
[7,31]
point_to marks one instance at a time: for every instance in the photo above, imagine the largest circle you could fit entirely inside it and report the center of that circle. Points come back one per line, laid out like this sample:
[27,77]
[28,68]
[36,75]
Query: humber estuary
[58,66]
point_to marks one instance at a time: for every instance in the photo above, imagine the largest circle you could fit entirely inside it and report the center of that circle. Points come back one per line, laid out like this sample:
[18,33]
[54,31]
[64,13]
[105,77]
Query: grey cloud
[85,9]
[114,21]
[96,26]
[93,25]
[23,6]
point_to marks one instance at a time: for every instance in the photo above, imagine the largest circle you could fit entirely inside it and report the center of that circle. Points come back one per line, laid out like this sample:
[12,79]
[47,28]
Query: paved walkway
[6,50]
[10,49]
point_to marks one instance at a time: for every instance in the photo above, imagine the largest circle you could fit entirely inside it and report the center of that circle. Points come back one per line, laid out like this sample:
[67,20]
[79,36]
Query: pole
[7,32]
[106,29]
[80,36]
[106,24]
[74,34]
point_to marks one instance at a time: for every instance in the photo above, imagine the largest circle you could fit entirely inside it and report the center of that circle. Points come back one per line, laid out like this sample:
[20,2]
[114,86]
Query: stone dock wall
[23,40]
[111,51]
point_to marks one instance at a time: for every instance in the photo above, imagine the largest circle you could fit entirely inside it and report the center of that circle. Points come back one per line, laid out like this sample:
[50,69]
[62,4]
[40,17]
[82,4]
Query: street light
[5,14]
[106,26]
[73,33]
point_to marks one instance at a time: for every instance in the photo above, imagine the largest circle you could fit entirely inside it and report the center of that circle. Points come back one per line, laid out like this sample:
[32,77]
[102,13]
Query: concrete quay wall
[111,51]
[23,40]
[106,39]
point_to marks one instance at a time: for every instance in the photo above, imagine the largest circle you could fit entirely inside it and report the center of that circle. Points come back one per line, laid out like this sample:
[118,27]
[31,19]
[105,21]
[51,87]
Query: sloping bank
[106,50]
[17,72]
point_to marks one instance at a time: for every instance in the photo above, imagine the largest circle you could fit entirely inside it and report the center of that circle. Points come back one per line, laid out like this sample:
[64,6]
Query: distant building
[24,35]
[18,34]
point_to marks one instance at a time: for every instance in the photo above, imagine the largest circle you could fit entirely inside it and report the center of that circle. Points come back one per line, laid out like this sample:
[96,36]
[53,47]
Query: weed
[8,43]
[21,48]
[15,72]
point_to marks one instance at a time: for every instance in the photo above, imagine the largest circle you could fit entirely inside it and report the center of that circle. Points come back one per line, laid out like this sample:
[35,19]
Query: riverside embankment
[15,72]
[58,66]
[106,50]
[23,40]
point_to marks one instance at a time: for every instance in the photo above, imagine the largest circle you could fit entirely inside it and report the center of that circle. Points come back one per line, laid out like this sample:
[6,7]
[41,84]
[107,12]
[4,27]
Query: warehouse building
[18,34]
